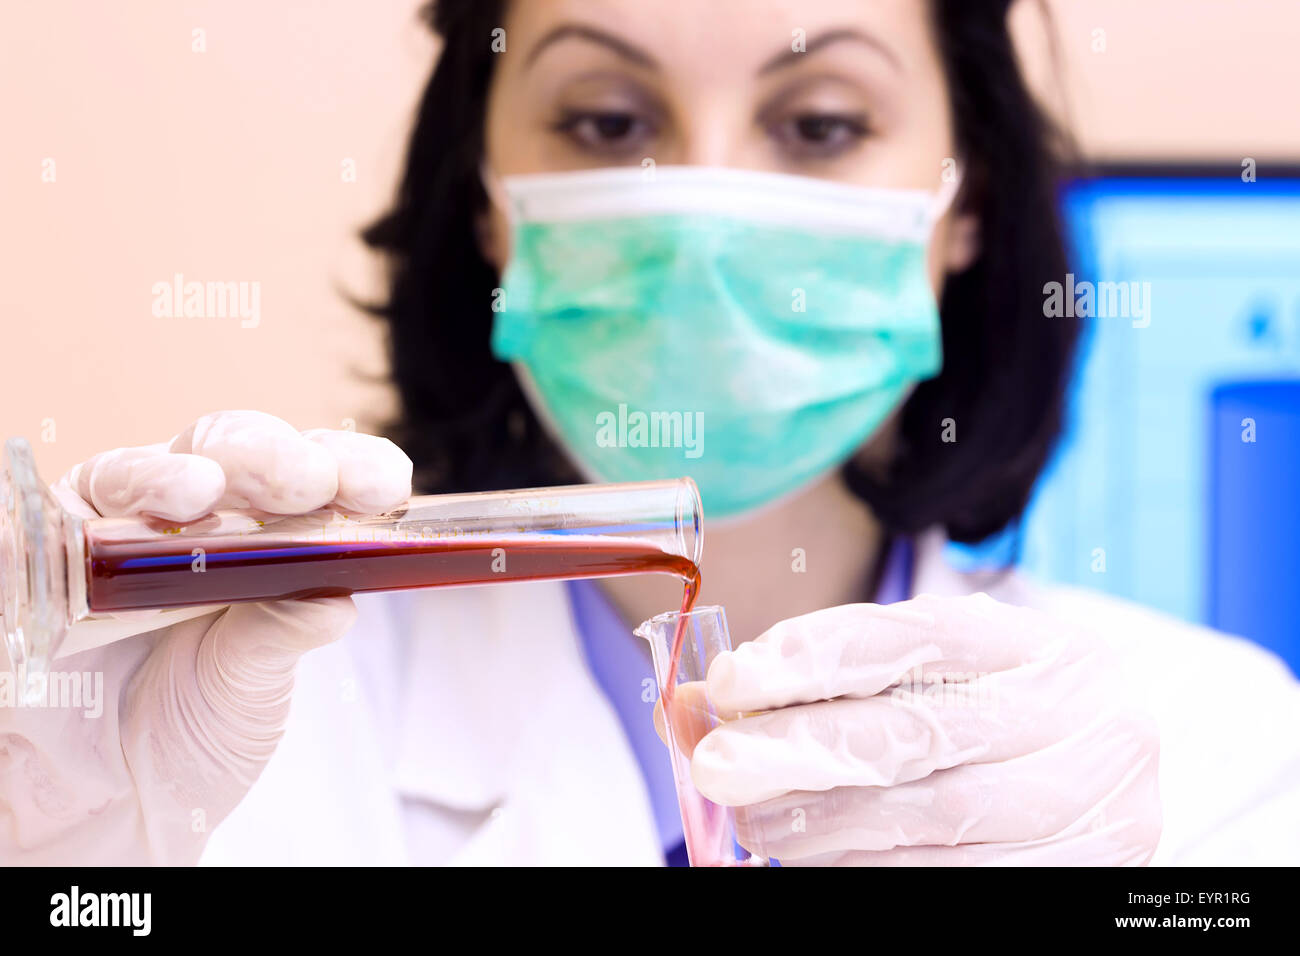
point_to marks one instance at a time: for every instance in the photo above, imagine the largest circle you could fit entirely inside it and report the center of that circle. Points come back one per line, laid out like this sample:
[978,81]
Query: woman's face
[849,90]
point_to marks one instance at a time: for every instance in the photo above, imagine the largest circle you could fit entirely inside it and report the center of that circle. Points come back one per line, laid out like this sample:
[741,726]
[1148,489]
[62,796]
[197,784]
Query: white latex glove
[192,711]
[860,758]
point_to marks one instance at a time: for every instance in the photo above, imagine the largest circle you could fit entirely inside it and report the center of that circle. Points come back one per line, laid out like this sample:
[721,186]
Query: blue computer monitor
[1211,262]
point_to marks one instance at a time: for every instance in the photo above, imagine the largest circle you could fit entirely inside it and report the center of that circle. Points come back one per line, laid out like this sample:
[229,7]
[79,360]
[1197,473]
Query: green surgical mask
[750,330]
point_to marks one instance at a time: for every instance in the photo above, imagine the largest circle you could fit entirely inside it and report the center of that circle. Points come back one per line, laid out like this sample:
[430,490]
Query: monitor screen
[1188,282]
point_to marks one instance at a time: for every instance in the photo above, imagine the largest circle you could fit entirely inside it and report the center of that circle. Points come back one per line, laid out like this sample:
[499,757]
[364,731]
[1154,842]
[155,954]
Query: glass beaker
[57,569]
[709,828]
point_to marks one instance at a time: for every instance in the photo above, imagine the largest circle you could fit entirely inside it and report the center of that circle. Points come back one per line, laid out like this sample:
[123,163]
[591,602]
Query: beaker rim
[705,610]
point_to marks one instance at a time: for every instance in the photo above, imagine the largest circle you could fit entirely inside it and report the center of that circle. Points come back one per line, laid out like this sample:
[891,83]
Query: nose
[718,132]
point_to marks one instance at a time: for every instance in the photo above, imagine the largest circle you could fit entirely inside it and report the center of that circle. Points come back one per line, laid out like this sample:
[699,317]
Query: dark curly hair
[466,423]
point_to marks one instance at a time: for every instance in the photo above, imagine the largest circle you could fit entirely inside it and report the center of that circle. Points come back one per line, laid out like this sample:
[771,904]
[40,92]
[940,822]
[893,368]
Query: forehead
[696,38]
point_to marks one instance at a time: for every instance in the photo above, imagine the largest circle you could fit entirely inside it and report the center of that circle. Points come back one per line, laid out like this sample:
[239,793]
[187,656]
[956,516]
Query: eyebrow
[823,40]
[581,31]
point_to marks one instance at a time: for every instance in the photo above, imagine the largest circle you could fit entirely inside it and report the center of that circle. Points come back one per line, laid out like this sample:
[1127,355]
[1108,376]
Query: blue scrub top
[621,667]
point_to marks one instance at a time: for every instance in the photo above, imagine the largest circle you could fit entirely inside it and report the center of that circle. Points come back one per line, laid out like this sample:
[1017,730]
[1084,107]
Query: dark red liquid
[156,573]
[691,592]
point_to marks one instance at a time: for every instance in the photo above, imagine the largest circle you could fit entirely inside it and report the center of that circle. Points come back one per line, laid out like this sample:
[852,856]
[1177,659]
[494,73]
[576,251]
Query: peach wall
[224,165]
[227,165]
[1192,79]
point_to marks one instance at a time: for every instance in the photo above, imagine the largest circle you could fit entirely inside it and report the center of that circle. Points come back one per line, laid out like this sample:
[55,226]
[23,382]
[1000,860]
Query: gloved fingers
[275,633]
[859,649]
[847,742]
[242,659]
[693,717]
[65,490]
[822,655]
[245,664]
[241,459]
[1077,850]
[899,735]
[176,488]
[145,480]
[1123,834]
[1102,777]
[269,466]
[374,474]
[205,710]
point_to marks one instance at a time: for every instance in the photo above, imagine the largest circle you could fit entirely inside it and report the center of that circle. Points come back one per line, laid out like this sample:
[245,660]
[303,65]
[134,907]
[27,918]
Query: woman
[809,181]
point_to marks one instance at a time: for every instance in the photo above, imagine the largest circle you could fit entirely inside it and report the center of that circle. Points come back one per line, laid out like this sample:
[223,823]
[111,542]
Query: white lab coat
[462,726]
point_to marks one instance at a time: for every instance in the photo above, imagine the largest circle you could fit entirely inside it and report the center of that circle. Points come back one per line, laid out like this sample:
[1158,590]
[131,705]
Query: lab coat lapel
[461,674]
[323,799]
[500,715]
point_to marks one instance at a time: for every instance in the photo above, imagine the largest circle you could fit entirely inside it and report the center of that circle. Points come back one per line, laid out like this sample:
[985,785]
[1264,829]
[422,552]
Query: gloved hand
[1030,752]
[191,711]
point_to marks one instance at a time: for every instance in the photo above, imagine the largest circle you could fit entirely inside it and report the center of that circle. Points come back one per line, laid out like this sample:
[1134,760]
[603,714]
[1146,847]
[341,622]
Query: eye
[815,135]
[605,131]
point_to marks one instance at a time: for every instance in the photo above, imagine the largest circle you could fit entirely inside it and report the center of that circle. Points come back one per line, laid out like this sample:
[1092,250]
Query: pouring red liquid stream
[689,594]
